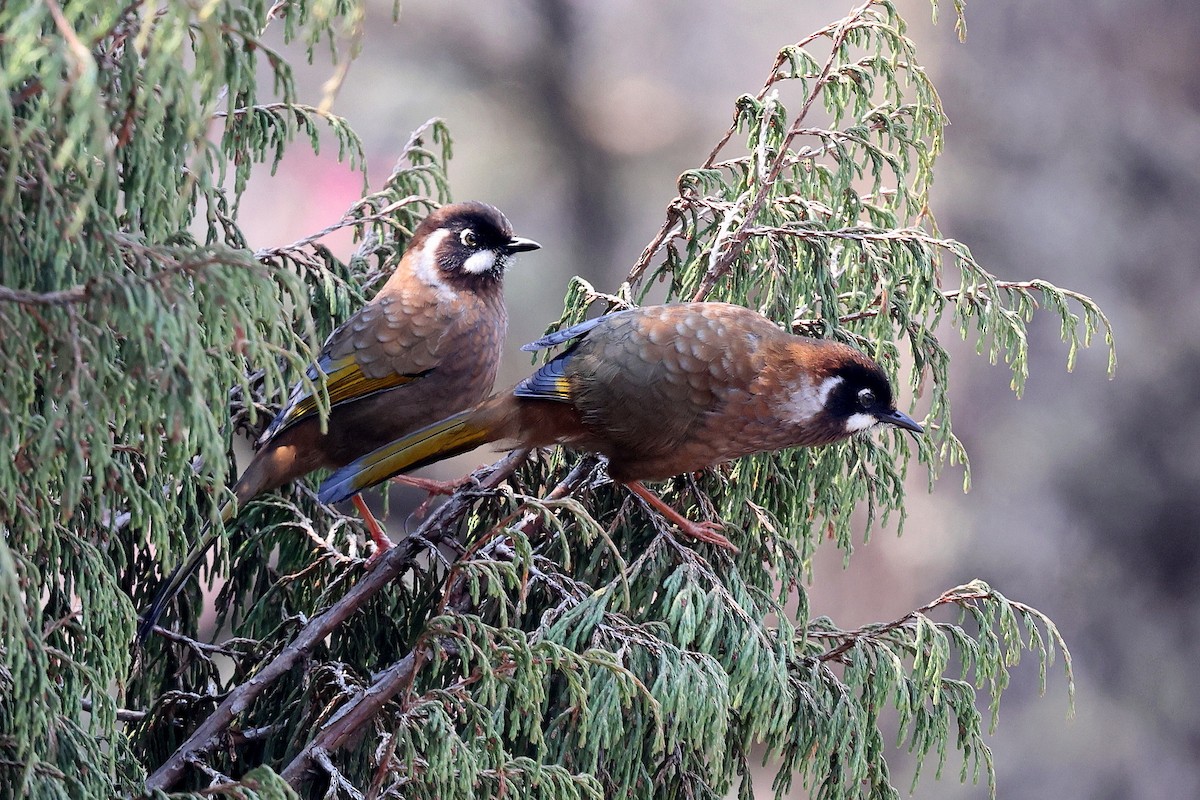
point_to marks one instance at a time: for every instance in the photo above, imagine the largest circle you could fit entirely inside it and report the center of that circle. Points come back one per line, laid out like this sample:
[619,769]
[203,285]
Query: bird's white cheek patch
[425,264]
[481,262]
[859,422]
[808,399]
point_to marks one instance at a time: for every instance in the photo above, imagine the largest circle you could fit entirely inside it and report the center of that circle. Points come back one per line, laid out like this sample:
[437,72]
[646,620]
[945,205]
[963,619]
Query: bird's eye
[866,398]
[467,237]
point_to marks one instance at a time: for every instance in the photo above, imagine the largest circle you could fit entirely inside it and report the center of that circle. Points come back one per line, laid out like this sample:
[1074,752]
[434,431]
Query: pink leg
[429,485]
[703,531]
[382,542]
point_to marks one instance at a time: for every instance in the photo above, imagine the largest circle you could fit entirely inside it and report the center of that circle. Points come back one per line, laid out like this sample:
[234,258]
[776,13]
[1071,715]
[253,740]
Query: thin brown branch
[171,267]
[353,216]
[774,78]
[639,267]
[62,297]
[78,50]
[851,638]
[950,296]
[212,731]
[349,220]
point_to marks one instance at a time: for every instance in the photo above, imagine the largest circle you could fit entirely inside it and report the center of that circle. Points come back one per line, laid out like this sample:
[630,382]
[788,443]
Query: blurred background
[1073,155]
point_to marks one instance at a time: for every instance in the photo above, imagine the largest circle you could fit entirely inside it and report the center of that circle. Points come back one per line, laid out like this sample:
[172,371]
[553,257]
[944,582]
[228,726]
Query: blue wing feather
[549,382]
[577,330]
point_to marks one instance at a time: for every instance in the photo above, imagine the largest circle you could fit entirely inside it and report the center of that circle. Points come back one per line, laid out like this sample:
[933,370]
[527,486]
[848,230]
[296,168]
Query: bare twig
[78,50]
[203,648]
[348,220]
[772,79]
[63,297]
[981,292]
[123,714]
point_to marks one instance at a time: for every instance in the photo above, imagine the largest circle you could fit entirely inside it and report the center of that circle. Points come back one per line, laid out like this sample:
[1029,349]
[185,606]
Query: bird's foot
[378,537]
[374,559]
[706,532]
[702,531]
[434,488]
[381,544]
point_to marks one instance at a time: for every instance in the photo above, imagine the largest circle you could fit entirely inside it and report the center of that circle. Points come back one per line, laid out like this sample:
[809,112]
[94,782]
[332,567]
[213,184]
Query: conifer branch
[436,528]
[400,676]
[597,657]
[358,711]
[733,243]
[173,264]
[780,60]
[385,215]
[673,210]
[959,596]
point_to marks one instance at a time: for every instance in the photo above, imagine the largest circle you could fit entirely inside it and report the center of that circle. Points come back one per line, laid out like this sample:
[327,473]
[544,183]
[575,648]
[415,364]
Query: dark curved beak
[900,420]
[518,245]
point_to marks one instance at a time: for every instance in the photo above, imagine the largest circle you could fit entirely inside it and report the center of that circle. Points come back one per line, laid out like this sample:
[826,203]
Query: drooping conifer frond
[128,307]
[540,635]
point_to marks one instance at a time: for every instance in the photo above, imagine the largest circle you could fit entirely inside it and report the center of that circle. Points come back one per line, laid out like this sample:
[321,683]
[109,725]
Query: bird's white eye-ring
[467,237]
[866,398]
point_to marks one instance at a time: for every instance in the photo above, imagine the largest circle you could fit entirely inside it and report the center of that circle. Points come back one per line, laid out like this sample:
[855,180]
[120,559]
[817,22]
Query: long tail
[452,436]
[252,483]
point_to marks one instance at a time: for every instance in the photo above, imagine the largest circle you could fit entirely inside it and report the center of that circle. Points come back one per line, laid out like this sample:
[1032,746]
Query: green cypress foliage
[541,635]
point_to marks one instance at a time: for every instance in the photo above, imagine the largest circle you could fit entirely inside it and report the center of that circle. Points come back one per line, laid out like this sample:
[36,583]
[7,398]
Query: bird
[661,391]
[427,345]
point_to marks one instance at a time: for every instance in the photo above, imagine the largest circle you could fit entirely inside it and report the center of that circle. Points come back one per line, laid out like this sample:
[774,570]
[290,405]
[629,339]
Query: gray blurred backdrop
[1073,155]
